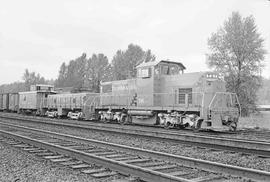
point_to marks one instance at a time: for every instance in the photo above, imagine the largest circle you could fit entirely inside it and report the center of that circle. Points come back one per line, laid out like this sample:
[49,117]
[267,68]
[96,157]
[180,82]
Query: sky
[42,34]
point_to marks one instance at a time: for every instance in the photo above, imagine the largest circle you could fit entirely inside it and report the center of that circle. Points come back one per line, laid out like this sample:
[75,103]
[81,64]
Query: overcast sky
[40,35]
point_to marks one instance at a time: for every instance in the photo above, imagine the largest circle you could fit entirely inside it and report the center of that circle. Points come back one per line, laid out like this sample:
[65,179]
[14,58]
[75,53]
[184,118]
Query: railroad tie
[208,178]
[126,158]
[106,153]
[22,145]
[104,174]
[79,147]
[45,154]
[67,144]
[179,173]
[61,160]
[96,151]
[37,151]
[30,149]
[68,163]
[157,168]
[92,171]
[115,156]
[13,142]
[151,164]
[137,161]
[80,166]
[53,156]
[130,179]
[84,149]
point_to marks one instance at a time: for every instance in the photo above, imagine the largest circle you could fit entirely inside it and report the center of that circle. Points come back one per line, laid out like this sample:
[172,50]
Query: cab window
[165,70]
[144,73]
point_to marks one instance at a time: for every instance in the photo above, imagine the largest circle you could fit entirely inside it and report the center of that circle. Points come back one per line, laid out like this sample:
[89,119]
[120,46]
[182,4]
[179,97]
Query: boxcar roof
[73,94]
[37,91]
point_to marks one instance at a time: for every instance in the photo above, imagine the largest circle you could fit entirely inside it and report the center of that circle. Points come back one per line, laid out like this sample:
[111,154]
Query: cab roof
[154,63]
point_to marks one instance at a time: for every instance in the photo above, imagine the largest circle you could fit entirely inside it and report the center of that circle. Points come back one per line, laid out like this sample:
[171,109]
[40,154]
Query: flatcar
[72,105]
[35,100]
[163,94]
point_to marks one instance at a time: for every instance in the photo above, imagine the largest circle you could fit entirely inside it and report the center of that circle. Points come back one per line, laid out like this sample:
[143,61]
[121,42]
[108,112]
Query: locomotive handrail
[226,93]
[96,95]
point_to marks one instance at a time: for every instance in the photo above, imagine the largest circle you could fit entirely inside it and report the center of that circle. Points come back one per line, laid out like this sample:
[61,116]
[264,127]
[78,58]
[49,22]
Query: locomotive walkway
[255,147]
[81,153]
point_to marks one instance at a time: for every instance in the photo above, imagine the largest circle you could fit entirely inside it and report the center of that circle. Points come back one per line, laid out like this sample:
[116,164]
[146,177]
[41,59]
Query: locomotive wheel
[233,126]
[198,125]
[157,120]
[105,120]
[168,126]
[123,120]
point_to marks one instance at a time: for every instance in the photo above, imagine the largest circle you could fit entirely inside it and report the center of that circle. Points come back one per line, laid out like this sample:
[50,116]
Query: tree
[73,74]
[13,87]
[124,62]
[148,56]
[237,52]
[96,70]
[31,78]
[62,75]
[84,74]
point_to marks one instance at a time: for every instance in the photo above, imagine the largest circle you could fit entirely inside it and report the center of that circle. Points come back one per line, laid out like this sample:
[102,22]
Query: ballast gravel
[19,166]
[226,157]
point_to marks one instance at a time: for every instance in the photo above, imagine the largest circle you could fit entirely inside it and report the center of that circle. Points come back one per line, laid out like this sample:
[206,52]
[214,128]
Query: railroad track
[254,147]
[95,157]
[244,133]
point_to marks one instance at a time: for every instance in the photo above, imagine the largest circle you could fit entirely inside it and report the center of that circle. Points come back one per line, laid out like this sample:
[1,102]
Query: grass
[261,120]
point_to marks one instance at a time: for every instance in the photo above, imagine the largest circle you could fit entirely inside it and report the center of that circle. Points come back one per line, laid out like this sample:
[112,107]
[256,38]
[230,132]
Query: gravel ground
[238,159]
[17,165]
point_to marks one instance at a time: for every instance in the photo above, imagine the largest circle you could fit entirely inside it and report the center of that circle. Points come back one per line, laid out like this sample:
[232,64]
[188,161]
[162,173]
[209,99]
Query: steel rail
[145,174]
[187,161]
[261,148]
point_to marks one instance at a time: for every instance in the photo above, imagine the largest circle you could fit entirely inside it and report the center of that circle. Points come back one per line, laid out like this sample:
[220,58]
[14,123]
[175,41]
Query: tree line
[85,73]
[236,50]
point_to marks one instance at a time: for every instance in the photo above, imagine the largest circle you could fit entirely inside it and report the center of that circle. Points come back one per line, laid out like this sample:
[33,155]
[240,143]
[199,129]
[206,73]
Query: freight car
[13,102]
[163,94]
[1,102]
[5,102]
[73,105]
[35,100]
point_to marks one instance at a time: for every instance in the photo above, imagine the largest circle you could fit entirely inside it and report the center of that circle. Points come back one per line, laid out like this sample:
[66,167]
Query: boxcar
[1,102]
[5,105]
[14,102]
